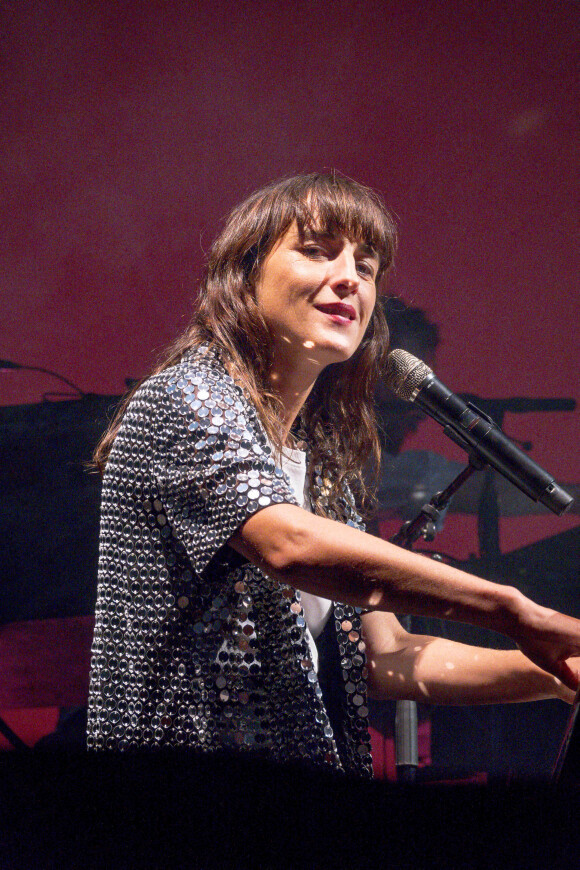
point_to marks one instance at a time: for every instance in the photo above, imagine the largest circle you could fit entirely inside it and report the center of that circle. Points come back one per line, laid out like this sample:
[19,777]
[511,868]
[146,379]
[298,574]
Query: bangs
[331,204]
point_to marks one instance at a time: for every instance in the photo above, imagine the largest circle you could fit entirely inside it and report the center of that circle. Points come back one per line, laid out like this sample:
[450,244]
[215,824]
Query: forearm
[439,671]
[345,564]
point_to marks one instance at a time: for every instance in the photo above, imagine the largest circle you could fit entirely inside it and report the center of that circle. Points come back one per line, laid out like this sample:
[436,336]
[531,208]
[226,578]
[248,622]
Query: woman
[208,529]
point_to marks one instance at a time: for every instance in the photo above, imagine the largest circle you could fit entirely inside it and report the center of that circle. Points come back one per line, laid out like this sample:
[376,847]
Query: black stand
[424,525]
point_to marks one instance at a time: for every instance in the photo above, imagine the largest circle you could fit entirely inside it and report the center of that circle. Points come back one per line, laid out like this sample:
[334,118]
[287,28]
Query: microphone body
[412,380]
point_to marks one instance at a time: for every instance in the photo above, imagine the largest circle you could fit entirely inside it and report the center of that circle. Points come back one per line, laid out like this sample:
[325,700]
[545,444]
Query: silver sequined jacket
[194,646]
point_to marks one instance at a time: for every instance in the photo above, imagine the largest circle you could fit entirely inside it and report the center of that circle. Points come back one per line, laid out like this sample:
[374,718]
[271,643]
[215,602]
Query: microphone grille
[405,373]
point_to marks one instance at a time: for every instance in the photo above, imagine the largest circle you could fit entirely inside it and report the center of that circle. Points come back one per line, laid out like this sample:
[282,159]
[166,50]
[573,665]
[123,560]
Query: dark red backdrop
[129,129]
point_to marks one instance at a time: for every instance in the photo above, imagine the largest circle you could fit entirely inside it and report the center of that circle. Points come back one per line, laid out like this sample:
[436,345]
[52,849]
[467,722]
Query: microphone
[412,380]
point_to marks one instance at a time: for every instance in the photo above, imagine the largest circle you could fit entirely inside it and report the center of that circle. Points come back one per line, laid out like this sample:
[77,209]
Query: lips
[338,308]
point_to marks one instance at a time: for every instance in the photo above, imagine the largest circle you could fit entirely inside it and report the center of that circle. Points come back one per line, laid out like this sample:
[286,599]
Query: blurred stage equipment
[9,364]
[49,515]
[49,512]
[506,738]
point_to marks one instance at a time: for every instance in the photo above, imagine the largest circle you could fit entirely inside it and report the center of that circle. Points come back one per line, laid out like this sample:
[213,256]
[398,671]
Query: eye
[312,250]
[366,269]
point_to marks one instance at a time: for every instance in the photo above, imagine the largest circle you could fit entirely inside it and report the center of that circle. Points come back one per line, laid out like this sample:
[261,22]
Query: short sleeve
[213,465]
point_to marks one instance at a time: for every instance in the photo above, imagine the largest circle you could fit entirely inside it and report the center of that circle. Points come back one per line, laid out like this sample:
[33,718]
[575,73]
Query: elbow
[287,550]
[278,539]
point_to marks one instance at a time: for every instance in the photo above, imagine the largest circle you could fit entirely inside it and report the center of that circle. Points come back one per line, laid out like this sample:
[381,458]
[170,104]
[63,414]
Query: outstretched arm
[440,671]
[339,562]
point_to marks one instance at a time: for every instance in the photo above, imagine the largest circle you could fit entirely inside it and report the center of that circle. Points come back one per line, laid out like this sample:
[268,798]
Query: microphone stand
[424,525]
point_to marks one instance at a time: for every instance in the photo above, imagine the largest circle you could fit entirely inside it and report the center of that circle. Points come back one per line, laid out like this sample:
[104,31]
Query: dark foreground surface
[182,810]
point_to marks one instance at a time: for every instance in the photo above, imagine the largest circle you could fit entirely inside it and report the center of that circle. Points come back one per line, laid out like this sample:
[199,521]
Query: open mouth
[338,309]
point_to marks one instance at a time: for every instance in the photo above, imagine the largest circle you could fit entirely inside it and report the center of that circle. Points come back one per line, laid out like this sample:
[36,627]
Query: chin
[336,354]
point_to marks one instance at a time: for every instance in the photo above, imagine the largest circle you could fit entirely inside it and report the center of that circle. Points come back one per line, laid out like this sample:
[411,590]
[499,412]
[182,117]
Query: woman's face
[317,293]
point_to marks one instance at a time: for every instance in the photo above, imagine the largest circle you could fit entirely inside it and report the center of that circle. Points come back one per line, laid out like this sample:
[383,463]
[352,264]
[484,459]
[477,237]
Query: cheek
[267,297]
[276,303]
[369,307]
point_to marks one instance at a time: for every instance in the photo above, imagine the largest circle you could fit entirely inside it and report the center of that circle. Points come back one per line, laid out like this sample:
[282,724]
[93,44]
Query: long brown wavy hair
[338,416]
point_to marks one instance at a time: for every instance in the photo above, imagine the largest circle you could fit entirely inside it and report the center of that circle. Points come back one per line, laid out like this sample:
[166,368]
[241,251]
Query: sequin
[189,647]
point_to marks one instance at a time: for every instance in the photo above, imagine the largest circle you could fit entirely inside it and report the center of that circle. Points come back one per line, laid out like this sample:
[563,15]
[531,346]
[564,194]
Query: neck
[292,384]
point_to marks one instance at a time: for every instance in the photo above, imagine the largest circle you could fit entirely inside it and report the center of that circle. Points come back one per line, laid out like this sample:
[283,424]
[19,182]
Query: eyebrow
[367,249]
[370,251]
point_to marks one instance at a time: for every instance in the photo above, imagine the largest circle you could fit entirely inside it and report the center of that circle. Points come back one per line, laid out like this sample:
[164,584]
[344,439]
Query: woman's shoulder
[197,388]
[200,370]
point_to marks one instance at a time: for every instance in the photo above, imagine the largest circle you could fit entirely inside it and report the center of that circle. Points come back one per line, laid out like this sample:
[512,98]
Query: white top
[316,609]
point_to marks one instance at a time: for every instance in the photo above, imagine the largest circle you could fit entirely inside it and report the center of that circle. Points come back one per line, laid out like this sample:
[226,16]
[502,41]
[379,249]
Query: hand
[560,690]
[552,641]
[555,688]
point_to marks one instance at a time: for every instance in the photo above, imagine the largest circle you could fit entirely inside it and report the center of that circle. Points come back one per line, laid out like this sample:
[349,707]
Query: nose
[344,278]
